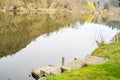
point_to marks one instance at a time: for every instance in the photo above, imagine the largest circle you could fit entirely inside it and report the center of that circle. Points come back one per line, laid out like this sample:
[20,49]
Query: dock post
[63,61]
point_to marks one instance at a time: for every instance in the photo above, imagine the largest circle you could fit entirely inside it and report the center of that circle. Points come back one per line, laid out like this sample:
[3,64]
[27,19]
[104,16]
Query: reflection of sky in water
[71,43]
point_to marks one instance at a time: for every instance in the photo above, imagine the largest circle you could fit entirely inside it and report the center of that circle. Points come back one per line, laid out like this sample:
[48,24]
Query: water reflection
[18,31]
[42,39]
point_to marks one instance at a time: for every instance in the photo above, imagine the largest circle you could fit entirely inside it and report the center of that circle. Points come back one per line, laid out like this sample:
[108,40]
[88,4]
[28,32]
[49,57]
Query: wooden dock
[76,64]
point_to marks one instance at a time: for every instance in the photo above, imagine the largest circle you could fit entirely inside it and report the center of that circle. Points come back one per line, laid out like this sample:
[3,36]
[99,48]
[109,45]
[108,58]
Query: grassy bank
[107,71]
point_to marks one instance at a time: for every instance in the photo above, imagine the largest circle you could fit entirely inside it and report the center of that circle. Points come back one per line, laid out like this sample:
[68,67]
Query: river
[31,41]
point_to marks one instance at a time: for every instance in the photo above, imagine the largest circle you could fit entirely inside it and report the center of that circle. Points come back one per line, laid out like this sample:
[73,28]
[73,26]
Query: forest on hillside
[56,5]
[23,5]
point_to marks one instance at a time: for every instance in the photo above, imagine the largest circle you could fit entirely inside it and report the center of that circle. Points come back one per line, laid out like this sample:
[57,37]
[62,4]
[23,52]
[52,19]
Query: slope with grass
[107,71]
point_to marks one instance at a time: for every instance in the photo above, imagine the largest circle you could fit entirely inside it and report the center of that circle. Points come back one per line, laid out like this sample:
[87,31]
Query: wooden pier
[56,70]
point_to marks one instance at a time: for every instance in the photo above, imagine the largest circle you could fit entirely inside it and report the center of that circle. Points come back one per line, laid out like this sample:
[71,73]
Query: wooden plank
[41,78]
[94,60]
[52,71]
[55,70]
[36,73]
[73,65]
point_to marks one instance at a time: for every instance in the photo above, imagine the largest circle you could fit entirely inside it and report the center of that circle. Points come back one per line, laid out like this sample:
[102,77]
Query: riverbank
[107,71]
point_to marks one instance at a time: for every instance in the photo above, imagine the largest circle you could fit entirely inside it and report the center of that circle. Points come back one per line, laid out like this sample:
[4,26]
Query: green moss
[107,71]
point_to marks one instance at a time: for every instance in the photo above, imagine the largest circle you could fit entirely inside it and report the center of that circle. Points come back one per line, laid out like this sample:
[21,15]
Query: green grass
[107,71]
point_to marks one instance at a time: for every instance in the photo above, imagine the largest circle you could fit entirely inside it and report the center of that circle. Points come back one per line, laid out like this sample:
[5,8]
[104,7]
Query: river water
[31,41]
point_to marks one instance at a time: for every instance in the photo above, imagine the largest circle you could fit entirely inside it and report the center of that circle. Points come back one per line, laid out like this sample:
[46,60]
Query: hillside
[38,5]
